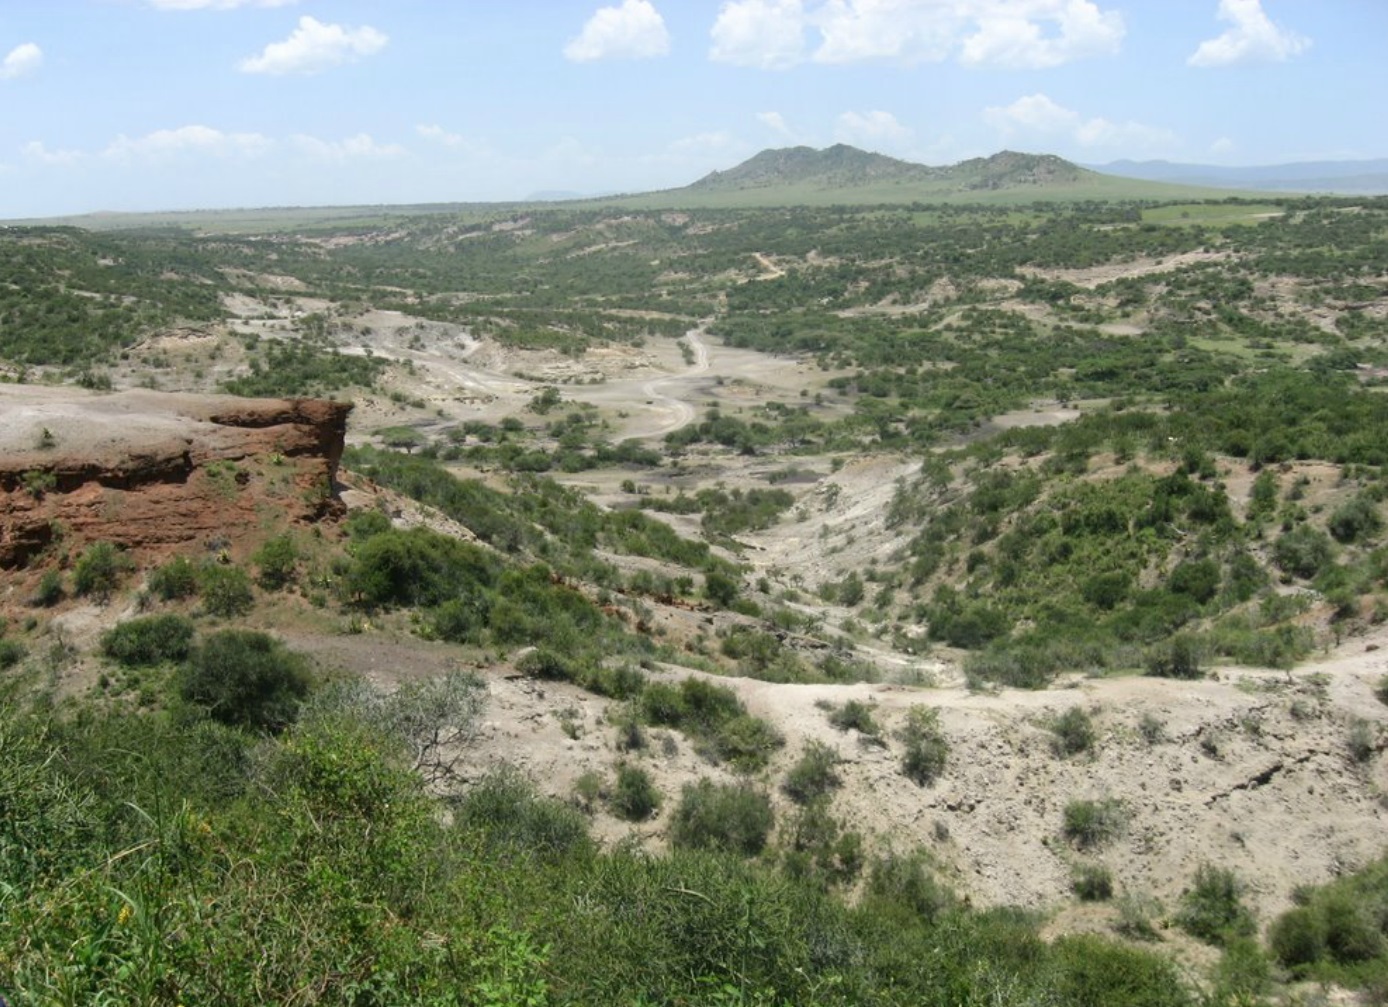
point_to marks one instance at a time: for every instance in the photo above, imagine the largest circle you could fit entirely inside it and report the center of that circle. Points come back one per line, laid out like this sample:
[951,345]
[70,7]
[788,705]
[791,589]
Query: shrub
[907,880]
[635,797]
[246,679]
[1135,915]
[1092,883]
[1355,520]
[744,742]
[720,589]
[1197,579]
[99,571]
[927,749]
[732,818]
[150,640]
[1381,690]
[1152,730]
[1073,732]
[1094,972]
[225,590]
[1178,657]
[1302,552]
[547,666]
[814,775]
[855,715]
[1298,937]
[11,653]
[50,589]
[177,578]
[1362,740]
[276,559]
[1212,909]
[514,819]
[1089,824]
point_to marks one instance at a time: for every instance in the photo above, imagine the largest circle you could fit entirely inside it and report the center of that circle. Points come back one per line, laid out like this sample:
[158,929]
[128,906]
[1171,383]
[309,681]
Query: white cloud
[1037,117]
[764,33]
[878,129]
[164,144]
[1011,36]
[216,4]
[314,47]
[775,122]
[1254,37]
[1223,146]
[635,30]
[21,61]
[36,151]
[907,31]
[1025,34]
[359,147]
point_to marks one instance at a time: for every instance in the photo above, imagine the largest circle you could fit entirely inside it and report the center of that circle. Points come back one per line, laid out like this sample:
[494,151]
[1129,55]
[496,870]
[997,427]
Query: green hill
[845,175]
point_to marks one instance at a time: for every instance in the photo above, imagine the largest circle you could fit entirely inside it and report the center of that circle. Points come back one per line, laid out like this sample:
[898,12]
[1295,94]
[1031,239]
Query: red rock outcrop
[156,473]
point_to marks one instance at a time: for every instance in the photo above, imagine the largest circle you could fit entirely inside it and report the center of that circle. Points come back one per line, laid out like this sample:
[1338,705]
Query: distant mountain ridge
[845,167]
[1352,178]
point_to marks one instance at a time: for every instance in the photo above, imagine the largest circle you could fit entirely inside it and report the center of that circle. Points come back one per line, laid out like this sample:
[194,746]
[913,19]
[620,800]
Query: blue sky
[182,104]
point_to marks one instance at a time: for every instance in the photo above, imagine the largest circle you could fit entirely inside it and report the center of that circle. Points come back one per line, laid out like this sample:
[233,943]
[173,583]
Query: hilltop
[846,175]
[845,167]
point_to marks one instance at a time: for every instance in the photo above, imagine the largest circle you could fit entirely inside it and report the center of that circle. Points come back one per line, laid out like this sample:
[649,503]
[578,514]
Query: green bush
[927,748]
[11,653]
[225,590]
[276,559]
[1091,972]
[635,797]
[99,571]
[1381,690]
[1072,732]
[178,578]
[1297,938]
[149,640]
[517,821]
[1092,883]
[907,880]
[1089,823]
[744,742]
[855,715]
[813,775]
[246,679]
[1212,909]
[1178,657]
[50,589]
[1302,552]
[1197,579]
[1355,520]
[714,718]
[731,818]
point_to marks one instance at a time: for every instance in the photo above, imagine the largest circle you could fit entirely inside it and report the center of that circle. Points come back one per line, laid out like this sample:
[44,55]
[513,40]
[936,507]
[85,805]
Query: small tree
[814,775]
[732,818]
[635,797]
[927,748]
[225,590]
[276,560]
[1212,908]
[99,571]
[246,679]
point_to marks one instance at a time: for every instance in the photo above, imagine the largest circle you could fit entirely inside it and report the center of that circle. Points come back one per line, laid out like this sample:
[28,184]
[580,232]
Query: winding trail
[679,412]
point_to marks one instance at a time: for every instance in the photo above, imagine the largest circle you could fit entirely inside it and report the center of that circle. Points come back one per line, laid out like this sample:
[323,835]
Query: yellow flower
[123,917]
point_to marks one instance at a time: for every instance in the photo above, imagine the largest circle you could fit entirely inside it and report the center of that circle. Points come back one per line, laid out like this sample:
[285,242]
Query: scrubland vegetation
[219,819]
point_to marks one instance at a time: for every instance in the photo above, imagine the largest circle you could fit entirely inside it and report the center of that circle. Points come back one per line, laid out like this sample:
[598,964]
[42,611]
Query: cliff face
[156,473]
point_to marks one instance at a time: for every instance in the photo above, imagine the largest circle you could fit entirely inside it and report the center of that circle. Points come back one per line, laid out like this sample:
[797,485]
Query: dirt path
[673,411]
